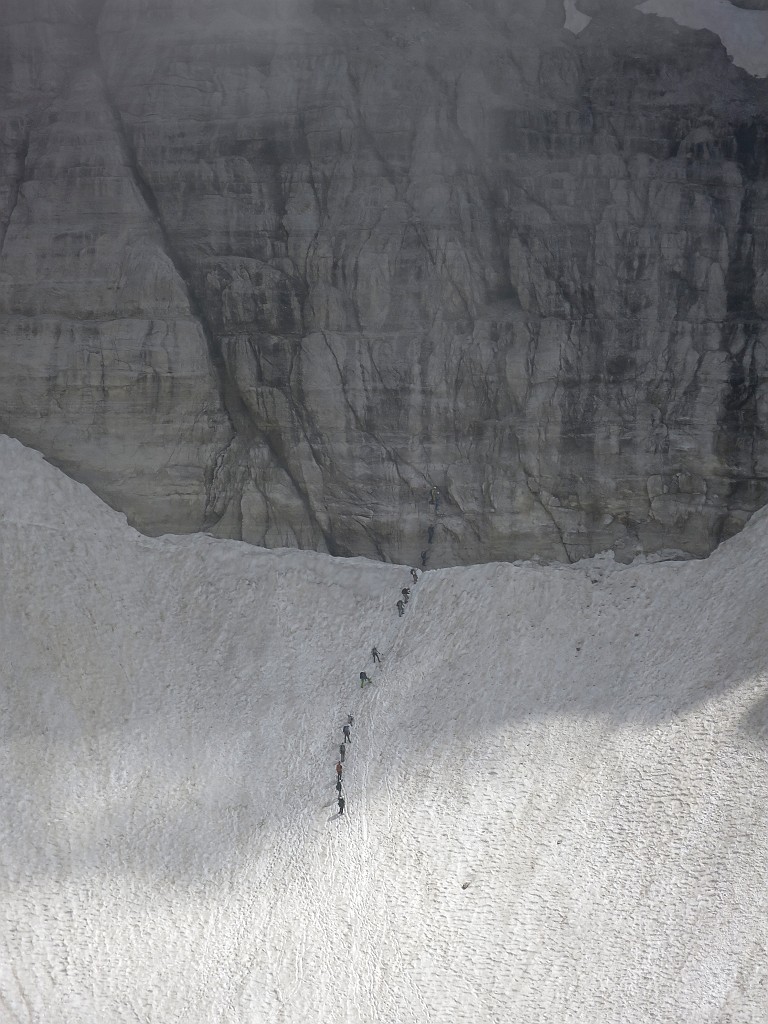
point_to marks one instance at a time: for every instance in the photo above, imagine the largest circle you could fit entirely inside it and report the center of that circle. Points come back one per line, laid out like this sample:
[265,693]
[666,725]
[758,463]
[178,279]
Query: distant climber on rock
[346,729]
[341,802]
[339,770]
[375,654]
[406,594]
[434,495]
[364,678]
[342,753]
[350,719]
[424,559]
[430,534]
[339,786]
[400,608]
[414,576]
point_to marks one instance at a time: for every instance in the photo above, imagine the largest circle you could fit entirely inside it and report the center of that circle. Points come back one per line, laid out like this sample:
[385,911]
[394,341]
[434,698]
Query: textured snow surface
[584,746]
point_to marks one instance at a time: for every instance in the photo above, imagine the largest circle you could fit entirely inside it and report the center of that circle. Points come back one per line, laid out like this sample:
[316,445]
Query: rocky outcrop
[275,269]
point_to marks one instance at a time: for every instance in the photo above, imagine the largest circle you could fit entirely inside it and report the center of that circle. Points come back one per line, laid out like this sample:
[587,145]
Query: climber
[375,654]
[339,770]
[350,720]
[414,576]
[434,495]
[430,534]
[346,730]
[364,678]
[342,801]
[339,786]
[406,594]
[424,559]
[400,608]
[342,753]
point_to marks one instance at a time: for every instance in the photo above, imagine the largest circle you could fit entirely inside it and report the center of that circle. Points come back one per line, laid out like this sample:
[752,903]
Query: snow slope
[584,746]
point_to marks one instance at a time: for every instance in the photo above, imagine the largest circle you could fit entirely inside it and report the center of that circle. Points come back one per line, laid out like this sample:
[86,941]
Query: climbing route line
[390,645]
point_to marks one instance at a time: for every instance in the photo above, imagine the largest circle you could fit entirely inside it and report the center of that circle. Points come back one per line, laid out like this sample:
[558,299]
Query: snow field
[584,746]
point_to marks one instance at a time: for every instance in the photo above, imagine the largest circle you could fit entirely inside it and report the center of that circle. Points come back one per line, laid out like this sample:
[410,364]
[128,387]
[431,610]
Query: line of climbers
[346,729]
[434,499]
[365,679]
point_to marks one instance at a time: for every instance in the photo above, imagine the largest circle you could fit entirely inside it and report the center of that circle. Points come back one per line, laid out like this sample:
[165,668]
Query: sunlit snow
[556,787]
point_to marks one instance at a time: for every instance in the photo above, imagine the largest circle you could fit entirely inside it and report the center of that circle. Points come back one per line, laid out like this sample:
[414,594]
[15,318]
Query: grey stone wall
[273,269]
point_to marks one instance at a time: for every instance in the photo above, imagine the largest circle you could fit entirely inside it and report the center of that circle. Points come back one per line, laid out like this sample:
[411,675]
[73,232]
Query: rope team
[365,679]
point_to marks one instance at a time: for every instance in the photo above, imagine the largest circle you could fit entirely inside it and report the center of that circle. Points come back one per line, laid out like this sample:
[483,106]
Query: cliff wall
[273,268]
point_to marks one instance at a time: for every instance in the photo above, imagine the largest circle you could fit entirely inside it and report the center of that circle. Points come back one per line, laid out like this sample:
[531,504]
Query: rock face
[273,268]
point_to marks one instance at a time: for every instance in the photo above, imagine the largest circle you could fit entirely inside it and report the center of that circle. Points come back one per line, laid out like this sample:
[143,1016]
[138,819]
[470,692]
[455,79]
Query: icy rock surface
[273,269]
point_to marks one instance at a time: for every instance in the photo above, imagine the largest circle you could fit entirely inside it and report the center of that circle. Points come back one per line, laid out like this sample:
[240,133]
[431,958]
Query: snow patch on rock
[743,33]
[575,21]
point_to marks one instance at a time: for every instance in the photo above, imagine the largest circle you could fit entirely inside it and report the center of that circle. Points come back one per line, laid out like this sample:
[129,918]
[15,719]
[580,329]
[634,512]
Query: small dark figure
[400,608]
[350,720]
[342,801]
[434,495]
[342,753]
[424,559]
[339,770]
[338,786]
[430,534]
[375,655]
[414,576]
[364,678]
[345,729]
[406,594]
